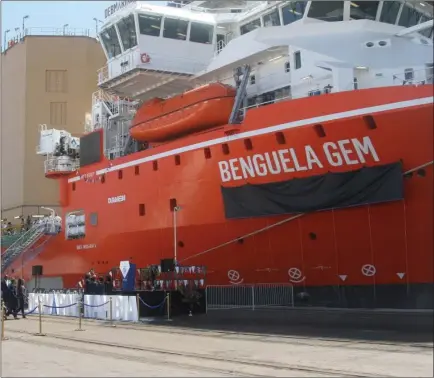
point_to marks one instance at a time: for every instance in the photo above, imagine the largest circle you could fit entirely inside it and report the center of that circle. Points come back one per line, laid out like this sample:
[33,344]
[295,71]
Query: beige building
[44,80]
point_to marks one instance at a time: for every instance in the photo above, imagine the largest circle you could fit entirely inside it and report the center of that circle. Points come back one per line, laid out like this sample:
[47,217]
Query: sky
[53,14]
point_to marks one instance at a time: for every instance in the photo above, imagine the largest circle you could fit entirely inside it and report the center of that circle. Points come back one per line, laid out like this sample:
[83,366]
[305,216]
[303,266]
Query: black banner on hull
[367,185]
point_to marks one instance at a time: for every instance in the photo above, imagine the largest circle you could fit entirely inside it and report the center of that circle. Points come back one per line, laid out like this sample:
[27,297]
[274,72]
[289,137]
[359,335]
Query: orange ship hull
[374,255]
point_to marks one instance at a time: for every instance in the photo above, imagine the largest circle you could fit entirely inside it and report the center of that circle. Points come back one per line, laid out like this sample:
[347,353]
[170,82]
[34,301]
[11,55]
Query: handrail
[35,227]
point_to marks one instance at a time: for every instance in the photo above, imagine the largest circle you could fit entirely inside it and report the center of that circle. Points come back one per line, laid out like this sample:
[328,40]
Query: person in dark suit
[21,293]
[5,294]
[12,302]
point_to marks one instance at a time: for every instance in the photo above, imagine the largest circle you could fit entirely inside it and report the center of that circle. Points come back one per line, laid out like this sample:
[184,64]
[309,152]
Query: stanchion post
[168,305]
[138,306]
[80,307]
[40,318]
[3,314]
[111,313]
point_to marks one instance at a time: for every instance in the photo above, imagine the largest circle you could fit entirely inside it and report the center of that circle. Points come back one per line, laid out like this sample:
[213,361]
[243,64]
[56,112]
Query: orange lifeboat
[199,109]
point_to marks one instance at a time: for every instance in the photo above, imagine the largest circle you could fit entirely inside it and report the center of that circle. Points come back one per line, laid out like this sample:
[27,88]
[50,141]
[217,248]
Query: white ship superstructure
[288,49]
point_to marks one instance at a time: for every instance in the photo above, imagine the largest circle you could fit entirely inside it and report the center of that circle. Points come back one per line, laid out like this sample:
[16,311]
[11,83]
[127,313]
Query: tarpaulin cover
[329,191]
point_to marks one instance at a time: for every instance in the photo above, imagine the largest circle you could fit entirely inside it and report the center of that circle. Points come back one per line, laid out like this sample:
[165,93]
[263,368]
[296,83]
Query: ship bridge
[154,51]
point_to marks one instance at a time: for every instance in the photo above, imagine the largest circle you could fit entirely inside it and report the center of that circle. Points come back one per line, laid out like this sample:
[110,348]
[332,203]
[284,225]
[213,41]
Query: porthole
[312,235]
[369,44]
[382,43]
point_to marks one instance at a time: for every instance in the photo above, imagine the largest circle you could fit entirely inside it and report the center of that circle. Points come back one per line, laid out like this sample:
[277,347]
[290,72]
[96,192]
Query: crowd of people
[94,284]
[13,295]
[8,229]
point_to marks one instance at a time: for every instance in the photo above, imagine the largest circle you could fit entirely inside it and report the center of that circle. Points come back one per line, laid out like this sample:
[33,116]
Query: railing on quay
[255,296]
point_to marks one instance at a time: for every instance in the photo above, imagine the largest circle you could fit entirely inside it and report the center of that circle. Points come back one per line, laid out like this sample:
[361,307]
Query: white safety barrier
[224,297]
[54,304]
[123,308]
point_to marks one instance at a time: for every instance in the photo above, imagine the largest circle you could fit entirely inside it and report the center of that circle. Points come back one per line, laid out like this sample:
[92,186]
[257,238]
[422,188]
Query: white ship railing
[420,77]
[167,64]
[56,165]
[57,31]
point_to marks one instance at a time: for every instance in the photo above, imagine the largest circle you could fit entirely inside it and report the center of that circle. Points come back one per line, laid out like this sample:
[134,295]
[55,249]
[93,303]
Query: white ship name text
[85,246]
[335,154]
[117,199]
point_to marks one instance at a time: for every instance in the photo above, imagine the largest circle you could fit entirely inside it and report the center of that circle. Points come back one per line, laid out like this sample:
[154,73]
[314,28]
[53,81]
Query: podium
[128,276]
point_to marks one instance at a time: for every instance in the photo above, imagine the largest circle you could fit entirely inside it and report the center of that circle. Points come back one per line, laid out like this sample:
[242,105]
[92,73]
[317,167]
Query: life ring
[145,58]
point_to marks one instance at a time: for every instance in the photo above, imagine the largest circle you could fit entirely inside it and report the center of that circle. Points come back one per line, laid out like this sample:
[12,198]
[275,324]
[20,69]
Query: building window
[58,113]
[56,81]
[201,33]
[175,29]
[363,10]
[250,26]
[409,17]
[287,67]
[297,60]
[252,79]
[390,11]
[150,25]
[327,10]
[111,42]
[293,11]
[272,19]
[127,31]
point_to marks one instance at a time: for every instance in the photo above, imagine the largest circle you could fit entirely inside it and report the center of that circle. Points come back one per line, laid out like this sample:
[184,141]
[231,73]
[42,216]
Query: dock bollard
[168,305]
[40,318]
[111,313]
[80,308]
[3,314]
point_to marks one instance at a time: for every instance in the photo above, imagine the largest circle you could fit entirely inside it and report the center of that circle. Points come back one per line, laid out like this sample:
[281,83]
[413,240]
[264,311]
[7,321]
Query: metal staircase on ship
[23,244]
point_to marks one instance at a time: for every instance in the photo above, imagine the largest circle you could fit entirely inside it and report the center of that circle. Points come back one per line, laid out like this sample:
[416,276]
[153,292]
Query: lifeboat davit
[202,108]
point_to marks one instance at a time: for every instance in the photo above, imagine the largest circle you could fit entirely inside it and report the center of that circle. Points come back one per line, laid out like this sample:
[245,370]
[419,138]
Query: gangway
[27,240]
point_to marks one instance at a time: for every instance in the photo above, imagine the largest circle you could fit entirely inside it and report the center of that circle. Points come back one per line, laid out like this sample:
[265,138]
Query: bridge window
[293,11]
[127,31]
[327,10]
[390,11]
[409,17]
[272,19]
[111,42]
[363,10]
[252,25]
[150,25]
[201,33]
[175,29]
[427,32]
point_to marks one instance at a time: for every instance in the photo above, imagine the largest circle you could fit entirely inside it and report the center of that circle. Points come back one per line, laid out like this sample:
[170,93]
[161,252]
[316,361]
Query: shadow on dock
[361,325]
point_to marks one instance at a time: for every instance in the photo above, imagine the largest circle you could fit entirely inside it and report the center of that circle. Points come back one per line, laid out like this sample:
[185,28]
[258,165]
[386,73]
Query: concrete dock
[174,349]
